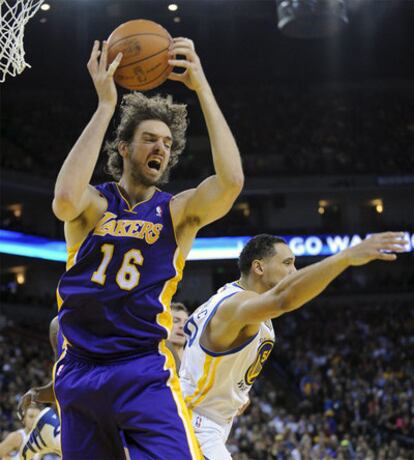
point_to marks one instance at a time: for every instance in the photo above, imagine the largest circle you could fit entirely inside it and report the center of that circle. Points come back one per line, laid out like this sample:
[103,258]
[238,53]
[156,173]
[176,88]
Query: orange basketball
[145,46]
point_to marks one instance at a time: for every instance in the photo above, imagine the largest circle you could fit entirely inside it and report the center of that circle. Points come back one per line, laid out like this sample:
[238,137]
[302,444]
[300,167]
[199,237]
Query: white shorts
[212,437]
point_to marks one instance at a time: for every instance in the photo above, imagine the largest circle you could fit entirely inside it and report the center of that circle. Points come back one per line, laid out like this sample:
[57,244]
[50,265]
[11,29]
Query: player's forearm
[44,394]
[302,286]
[226,155]
[77,170]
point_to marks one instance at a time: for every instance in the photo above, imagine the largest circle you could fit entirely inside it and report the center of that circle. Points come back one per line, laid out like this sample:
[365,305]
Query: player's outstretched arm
[214,197]
[302,286]
[72,191]
[243,312]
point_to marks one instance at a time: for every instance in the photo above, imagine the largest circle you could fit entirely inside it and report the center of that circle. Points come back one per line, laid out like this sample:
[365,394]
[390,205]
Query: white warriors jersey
[44,437]
[216,385]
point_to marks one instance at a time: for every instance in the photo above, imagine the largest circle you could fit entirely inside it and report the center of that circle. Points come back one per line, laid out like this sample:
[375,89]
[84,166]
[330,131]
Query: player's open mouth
[154,164]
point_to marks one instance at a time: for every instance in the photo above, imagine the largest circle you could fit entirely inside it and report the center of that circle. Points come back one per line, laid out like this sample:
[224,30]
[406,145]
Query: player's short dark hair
[178,306]
[136,108]
[259,247]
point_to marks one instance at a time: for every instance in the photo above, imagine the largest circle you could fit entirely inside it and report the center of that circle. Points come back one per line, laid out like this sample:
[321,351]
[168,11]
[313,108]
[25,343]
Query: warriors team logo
[262,354]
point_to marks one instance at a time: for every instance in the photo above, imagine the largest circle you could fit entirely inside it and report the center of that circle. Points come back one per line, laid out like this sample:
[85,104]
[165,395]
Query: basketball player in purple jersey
[127,242]
[44,436]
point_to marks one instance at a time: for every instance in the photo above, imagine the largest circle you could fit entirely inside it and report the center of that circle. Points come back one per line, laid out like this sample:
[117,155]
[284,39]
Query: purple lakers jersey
[114,299]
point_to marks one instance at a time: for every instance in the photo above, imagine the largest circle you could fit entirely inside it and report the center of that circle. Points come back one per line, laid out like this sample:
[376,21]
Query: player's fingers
[185,47]
[21,408]
[389,235]
[104,57]
[386,257]
[180,63]
[94,52]
[95,48]
[176,76]
[186,52]
[396,248]
[114,65]
[185,40]
[392,245]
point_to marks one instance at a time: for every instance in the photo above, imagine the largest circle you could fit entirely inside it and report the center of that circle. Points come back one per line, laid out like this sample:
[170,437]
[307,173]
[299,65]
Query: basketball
[145,46]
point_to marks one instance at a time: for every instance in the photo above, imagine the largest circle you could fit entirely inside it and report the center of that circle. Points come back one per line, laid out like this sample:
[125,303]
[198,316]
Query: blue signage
[227,247]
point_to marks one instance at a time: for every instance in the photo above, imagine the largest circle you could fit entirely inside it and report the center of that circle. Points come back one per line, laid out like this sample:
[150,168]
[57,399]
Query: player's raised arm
[72,191]
[214,197]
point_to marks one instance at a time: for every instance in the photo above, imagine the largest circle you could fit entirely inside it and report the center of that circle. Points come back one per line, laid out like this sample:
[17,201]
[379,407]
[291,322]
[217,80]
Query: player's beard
[140,178]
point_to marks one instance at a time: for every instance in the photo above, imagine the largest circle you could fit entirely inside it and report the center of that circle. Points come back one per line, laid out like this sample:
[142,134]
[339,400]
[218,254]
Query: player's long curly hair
[135,108]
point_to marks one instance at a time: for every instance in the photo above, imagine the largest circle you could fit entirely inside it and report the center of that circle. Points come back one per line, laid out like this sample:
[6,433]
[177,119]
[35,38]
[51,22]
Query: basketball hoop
[14,15]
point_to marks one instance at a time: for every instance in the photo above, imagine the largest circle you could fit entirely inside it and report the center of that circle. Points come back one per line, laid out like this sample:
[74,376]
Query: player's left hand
[193,76]
[25,401]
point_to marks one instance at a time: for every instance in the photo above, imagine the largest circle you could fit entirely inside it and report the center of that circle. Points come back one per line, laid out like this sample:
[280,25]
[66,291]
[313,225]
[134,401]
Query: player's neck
[135,193]
[179,350]
[251,284]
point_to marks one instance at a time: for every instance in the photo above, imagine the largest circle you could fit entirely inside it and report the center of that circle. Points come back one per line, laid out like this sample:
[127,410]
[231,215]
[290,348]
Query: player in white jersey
[44,437]
[231,335]
[9,448]
[177,339]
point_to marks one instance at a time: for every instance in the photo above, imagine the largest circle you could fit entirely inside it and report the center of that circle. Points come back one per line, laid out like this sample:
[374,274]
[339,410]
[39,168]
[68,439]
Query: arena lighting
[311,18]
[173,7]
[45,7]
[378,205]
[20,278]
[227,247]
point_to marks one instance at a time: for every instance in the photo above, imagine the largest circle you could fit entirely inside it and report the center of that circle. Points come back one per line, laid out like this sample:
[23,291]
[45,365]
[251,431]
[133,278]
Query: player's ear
[257,267]
[123,149]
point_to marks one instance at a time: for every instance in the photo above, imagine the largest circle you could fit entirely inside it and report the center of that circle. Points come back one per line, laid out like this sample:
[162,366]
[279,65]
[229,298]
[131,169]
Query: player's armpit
[195,208]
[76,230]
[226,328]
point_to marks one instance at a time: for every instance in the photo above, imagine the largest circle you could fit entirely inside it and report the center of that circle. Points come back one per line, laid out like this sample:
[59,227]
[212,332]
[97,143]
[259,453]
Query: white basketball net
[14,15]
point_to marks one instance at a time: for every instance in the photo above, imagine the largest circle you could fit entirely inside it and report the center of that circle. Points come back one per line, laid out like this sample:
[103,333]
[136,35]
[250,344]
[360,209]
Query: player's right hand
[379,246]
[25,401]
[102,75]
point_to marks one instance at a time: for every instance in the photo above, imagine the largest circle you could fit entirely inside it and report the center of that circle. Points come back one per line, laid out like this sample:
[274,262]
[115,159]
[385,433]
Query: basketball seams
[111,45]
[143,59]
[140,87]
